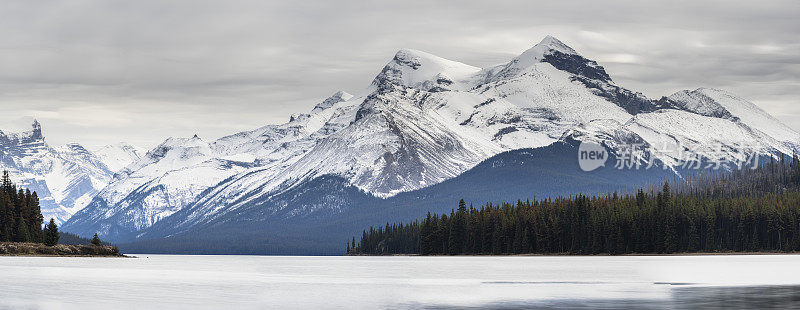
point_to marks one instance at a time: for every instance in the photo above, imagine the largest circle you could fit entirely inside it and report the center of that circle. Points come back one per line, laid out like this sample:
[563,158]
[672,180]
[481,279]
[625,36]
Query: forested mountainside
[416,133]
[522,174]
[744,210]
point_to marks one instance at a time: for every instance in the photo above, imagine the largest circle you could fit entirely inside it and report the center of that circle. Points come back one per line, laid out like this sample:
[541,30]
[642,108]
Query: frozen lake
[262,282]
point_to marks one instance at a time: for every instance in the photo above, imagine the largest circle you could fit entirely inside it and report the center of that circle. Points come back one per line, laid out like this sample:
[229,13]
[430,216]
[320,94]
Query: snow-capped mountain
[118,156]
[745,114]
[423,120]
[66,178]
[179,170]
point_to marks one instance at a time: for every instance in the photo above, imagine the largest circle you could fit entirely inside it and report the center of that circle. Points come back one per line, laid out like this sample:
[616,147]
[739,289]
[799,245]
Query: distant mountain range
[67,177]
[426,131]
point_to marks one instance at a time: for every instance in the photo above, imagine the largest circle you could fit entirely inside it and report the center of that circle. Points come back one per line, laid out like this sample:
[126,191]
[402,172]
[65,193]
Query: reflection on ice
[717,297]
[544,282]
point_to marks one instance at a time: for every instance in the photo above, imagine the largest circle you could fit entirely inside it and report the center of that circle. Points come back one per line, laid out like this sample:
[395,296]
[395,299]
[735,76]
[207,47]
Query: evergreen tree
[458,231]
[21,234]
[748,210]
[5,233]
[35,219]
[20,213]
[427,239]
[96,240]
[51,233]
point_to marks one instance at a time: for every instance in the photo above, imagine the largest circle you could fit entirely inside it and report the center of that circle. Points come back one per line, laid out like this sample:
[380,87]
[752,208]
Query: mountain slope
[327,210]
[742,112]
[64,177]
[118,156]
[176,172]
[422,121]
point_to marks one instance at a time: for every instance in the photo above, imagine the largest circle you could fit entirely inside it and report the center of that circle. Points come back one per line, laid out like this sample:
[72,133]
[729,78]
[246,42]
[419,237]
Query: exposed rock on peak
[423,120]
[339,96]
[65,177]
[696,101]
[417,69]
[26,129]
[554,44]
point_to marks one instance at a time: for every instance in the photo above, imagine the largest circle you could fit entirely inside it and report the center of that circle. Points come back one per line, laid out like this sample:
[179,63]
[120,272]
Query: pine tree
[21,234]
[36,218]
[96,240]
[5,233]
[20,213]
[458,231]
[426,239]
[736,211]
[51,233]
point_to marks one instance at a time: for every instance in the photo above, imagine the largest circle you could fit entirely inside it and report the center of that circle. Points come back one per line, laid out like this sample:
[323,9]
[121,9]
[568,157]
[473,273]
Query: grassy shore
[38,249]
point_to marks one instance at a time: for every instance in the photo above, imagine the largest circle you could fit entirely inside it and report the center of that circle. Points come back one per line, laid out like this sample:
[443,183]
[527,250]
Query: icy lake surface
[264,282]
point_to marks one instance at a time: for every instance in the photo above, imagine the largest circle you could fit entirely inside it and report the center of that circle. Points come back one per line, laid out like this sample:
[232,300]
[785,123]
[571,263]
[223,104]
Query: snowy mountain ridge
[118,156]
[66,178]
[423,119]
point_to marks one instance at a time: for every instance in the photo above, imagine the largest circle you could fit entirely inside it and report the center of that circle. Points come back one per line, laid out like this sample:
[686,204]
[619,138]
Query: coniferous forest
[20,214]
[743,210]
[21,231]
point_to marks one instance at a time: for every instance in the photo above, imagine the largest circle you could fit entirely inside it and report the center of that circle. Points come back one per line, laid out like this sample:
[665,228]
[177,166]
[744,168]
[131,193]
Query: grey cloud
[162,68]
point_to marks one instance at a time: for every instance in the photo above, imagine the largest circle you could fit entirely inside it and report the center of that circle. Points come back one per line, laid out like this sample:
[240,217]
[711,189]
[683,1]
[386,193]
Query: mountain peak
[408,53]
[559,55]
[337,97]
[342,95]
[414,59]
[26,126]
[298,117]
[548,46]
[551,43]
[118,155]
[418,69]
[75,148]
[36,133]
[713,91]
[119,147]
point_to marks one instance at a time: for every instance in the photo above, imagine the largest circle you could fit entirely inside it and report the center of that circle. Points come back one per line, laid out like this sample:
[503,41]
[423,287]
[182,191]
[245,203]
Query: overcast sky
[100,72]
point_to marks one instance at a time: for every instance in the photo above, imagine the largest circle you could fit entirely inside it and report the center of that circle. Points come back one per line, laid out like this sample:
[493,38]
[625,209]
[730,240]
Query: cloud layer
[99,72]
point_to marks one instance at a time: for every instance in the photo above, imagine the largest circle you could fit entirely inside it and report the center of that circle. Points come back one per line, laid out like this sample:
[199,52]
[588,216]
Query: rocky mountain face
[423,120]
[67,177]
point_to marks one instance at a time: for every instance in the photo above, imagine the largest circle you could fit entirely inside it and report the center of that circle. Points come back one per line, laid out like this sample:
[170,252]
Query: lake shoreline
[29,249]
[588,255]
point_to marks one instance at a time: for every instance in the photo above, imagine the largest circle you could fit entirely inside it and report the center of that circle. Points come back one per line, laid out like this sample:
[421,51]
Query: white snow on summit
[417,69]
[118,156]
[532,57]
[424,119]
[330,101]
[747,113]
[65,177]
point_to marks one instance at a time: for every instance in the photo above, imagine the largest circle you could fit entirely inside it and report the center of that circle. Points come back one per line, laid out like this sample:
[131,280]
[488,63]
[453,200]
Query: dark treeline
[771,177]
[20,214]
[744,210]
